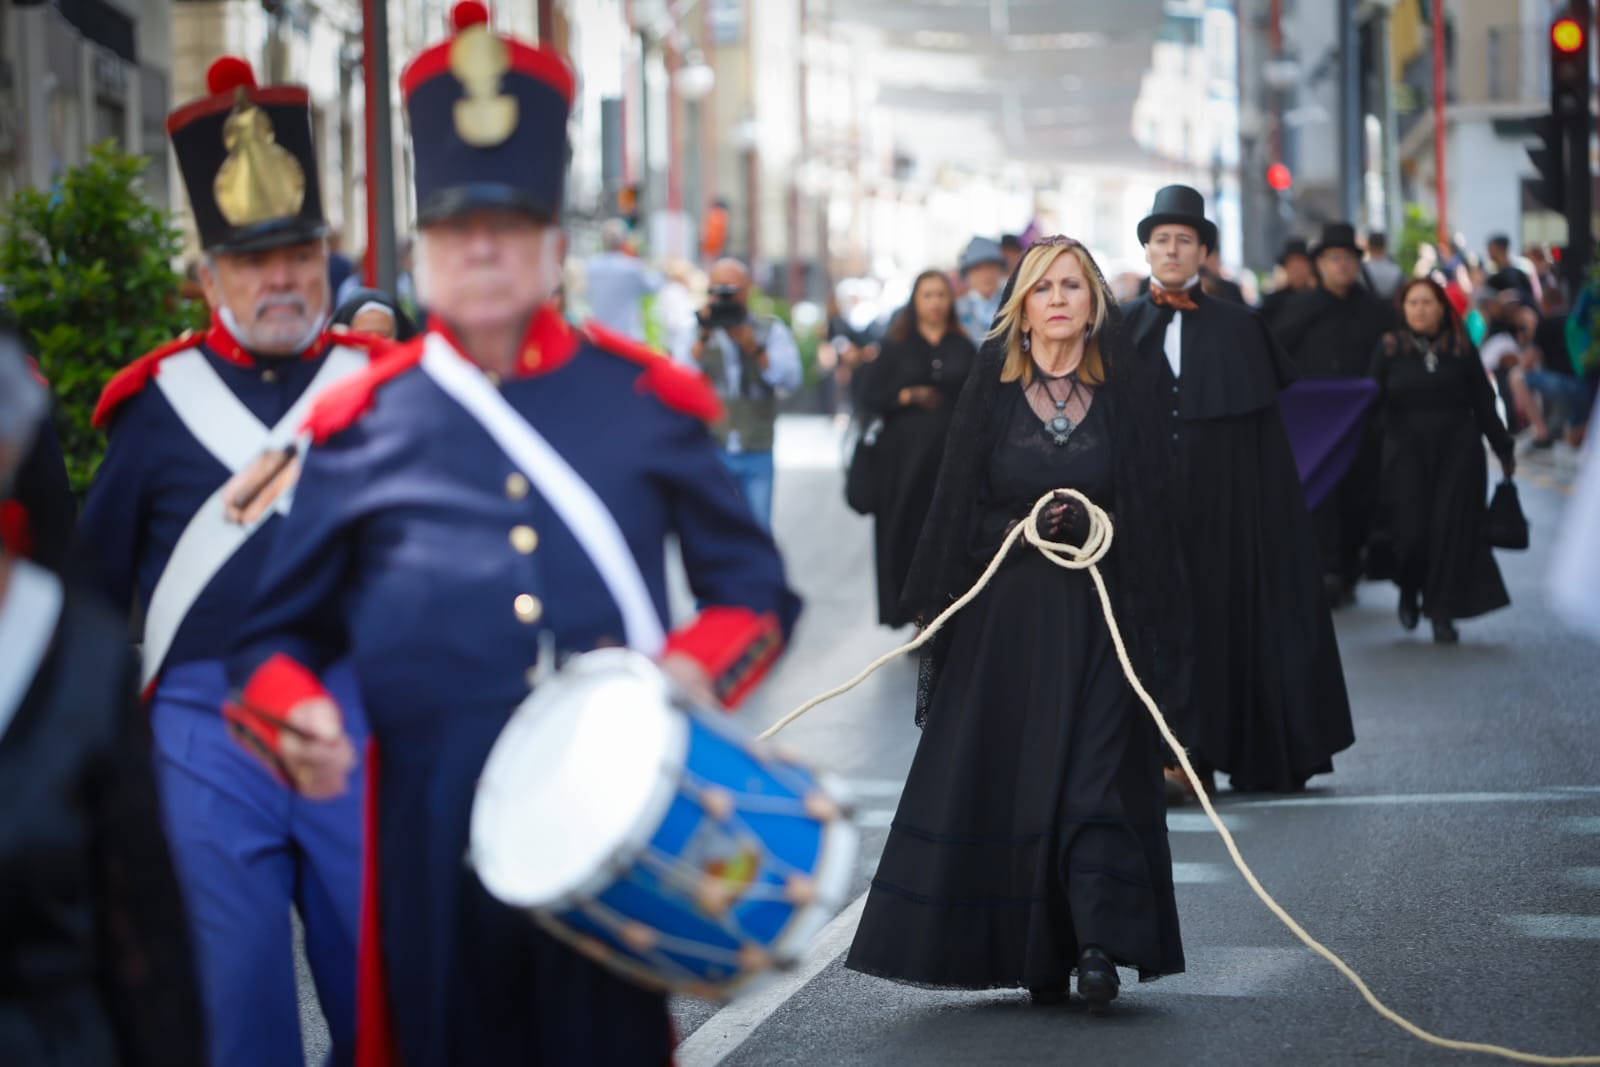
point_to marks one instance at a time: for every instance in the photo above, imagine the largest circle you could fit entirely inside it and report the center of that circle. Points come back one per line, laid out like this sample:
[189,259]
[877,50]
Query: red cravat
[1179,300]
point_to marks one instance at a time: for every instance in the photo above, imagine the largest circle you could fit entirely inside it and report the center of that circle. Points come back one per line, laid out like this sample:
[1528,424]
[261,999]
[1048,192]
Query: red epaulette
[680,388]
[344,403]
[38,375]
[130,380]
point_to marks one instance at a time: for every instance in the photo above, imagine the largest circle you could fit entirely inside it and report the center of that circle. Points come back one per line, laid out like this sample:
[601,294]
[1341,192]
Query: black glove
[1063,521]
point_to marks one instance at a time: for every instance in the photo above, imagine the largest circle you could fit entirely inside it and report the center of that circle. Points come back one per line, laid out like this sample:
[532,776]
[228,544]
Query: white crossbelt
[229,431]
[574,501]
[27,622]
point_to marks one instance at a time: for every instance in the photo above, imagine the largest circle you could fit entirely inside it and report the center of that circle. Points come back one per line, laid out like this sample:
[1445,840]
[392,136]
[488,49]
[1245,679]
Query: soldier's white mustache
[290,300]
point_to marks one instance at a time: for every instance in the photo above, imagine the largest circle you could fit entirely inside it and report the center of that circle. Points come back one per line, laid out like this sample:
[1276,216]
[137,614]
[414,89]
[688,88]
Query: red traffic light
[1279,178]
[1567,35]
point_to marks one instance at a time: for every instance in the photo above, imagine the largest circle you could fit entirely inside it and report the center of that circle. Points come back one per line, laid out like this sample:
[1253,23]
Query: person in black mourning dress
[1268,695]
[1031,836]
[1330,332]
[1436,403]
[93,945]
[1298,277]
[912,386]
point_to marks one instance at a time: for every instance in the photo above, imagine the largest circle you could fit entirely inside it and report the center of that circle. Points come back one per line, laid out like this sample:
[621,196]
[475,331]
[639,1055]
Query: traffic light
[1279,180]
[1550,160]
[1569,69]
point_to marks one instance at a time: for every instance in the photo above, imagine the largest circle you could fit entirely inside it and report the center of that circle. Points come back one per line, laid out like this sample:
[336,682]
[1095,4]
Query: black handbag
[861,479]
[1504,524]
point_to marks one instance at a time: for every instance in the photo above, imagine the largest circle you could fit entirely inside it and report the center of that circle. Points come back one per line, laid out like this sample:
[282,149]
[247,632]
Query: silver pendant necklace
[1060,426]
[1430,361]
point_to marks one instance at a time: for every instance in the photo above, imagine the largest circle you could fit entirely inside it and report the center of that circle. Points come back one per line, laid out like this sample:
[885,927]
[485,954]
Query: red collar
[548,345]
[225,347]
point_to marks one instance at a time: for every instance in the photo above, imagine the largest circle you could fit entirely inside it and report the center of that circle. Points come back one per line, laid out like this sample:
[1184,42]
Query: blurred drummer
[499,487]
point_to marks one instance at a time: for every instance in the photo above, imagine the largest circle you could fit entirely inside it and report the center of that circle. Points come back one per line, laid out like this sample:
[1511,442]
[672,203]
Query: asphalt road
[1453,859]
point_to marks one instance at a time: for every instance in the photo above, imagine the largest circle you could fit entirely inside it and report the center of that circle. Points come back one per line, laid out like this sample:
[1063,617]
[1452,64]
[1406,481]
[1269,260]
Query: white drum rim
[668,772]
[835,869]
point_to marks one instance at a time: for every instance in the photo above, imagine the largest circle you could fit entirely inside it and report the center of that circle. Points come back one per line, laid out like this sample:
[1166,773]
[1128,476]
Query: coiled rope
[1087,557]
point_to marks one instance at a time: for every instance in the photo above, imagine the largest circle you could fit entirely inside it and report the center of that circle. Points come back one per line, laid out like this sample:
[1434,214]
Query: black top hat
[489,120]
[248,162]
[1183,205]
[1336,235]
[1294,246]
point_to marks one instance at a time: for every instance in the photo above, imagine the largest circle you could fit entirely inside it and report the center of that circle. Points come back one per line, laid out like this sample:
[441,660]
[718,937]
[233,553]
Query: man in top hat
[1332,331]
[1267,697]
[1298,277]
[983,265]
[181,518]
[492,496]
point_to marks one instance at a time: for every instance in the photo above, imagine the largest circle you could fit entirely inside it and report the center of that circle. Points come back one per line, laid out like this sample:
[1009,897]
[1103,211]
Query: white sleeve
[783,359]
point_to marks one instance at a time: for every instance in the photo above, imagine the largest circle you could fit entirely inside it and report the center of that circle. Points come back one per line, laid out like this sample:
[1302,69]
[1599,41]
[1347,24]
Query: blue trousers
[753,473]
[247,849]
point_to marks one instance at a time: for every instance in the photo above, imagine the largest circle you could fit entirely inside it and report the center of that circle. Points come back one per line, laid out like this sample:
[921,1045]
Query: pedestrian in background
[1383,275]
[93,944]
[1011,248]
[1294,275]
[1215,283]
[751,360]
[1031,837]
[37,520]
[912,386]
[617,282]
[1330,332]
[1506,273]
[374,312]
[1435,407]
[983,266]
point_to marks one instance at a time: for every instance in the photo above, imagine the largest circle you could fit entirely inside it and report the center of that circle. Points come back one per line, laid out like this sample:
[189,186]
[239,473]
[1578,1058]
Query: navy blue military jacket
[417,547]
[156,474]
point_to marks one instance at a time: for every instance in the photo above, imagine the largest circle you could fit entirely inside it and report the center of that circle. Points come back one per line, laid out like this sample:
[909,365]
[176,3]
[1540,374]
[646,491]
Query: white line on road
[875,787]
[1195,822]
[1408,798]
[1557,927]
[1201,873]
[1585,876]
[1581,824]
[730,1027]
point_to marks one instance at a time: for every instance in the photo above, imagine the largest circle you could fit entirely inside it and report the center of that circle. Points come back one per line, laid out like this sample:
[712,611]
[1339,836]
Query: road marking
[1406,798]
[1580,824]
[1233,972]
[877,788]
[874,819]
[1585,876]
[1195,822]
[732,1026]
[1557,927]
[1201,873]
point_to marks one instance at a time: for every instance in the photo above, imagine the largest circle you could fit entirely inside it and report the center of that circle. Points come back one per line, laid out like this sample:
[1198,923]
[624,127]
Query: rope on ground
[1086,557]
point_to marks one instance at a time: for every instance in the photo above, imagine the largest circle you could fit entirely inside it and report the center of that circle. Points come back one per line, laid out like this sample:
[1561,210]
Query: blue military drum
[652,837]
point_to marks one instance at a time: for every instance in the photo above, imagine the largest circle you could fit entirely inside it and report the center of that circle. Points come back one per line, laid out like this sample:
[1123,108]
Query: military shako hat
[248,162]
[1183,205]
[488,119]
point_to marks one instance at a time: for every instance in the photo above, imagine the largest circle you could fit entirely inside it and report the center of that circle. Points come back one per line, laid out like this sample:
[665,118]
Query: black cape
[909,449]
[1268,701]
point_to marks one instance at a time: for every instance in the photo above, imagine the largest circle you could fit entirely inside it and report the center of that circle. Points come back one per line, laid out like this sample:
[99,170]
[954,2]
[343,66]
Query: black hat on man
[489,116]
[1181,205]
[248,163]
[1294,246]
[1336,235]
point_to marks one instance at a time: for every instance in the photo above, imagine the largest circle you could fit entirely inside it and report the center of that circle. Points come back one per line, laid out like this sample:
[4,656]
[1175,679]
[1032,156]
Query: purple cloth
[1325,418]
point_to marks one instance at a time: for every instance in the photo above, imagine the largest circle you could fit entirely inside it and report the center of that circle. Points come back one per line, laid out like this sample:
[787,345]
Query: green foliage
[806,340]
[1419,229]
[87,271]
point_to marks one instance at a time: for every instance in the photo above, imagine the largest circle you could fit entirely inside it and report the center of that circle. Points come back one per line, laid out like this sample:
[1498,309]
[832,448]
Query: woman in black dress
[94,950]
[1031,836]
[912,386]
[1435,405]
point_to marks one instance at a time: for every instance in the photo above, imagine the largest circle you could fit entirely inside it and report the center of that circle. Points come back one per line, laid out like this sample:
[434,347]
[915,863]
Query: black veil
[1144,570]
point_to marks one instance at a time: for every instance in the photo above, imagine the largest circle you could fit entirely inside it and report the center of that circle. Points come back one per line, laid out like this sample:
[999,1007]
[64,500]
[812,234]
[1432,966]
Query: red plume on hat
[229,73]
[468,13]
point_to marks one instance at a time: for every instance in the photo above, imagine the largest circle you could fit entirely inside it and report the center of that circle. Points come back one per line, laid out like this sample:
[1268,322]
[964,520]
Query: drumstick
[268,466]
[276,720]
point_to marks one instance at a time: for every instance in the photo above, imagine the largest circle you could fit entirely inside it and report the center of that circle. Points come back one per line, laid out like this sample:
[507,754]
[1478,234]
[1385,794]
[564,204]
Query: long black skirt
[1434,481]
[909,452]
[1033,822]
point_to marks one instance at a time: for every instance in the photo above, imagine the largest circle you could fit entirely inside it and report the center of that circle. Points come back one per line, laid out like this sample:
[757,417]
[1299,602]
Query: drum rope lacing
[1087,557]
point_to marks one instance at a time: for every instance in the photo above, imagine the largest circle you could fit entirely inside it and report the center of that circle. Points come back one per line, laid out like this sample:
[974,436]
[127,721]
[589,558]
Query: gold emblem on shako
[260,180]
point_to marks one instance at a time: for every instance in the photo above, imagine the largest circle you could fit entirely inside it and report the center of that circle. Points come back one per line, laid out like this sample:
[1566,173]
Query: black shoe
[1410,610]
[1444,632]
[1097,980]
[1049,996]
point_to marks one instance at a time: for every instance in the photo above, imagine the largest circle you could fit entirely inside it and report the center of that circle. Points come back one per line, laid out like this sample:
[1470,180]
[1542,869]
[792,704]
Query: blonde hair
[1036,263]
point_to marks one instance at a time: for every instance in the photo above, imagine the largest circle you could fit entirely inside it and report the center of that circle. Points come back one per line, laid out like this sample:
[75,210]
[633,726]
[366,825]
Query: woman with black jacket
[912,386]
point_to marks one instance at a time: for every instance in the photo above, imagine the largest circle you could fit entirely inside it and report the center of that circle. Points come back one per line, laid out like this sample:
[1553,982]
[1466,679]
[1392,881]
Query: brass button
[269,376]
[516,486]
[528,608]
[524,539]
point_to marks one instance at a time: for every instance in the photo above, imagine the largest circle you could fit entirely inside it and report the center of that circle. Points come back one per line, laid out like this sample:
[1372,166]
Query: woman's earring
[1027,341]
